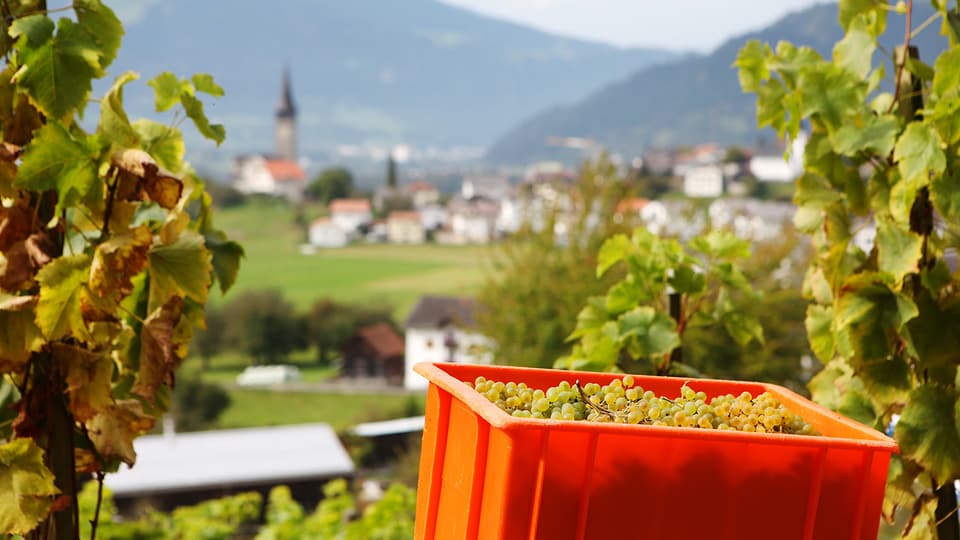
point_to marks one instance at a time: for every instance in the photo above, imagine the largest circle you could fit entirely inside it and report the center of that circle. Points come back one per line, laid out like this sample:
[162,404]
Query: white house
[473,221]
[255,173]
[774,167]
[439,329]
[703,181]
[324,233]
[434,216]
[404,227]
[351,214]
[422,194]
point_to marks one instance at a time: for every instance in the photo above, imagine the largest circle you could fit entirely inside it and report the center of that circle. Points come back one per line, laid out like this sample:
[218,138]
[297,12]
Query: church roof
[285,106]
[284,169]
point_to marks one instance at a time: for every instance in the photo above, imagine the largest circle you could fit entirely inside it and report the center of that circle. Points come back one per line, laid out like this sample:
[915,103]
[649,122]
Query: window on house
[429,343]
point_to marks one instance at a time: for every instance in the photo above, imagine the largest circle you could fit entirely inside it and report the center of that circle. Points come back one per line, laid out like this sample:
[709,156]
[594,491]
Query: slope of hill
[689,101]
[367,71]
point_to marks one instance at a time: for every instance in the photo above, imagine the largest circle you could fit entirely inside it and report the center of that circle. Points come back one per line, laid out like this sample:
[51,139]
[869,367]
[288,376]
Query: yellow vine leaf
[88,376]
[26,486]
[113,429]
[159,355]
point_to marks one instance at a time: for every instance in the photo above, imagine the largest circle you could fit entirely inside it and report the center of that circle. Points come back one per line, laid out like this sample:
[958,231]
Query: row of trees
[267,327]
[542,283]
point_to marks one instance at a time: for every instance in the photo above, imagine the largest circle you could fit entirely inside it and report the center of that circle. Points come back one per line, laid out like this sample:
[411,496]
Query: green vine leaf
[929,430]
[869,317]
[898,249]
[164,143]
[102,26]
[613,250]
[114,123]
[819,325]
[945,195]
[181,268]
[648,333]
[918,154]
[26,486]
[854,52]
[194,109]
[56,160]
[204,82]
[167,89]
[62,291]
[877,135]
[56,69]
[226,258]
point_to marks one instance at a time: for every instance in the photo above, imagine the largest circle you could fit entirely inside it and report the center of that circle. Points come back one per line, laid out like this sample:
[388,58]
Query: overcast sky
[698,25]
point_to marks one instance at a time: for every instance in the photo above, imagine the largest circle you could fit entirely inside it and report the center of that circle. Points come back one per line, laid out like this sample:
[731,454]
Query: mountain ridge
[692,100]
[366,71]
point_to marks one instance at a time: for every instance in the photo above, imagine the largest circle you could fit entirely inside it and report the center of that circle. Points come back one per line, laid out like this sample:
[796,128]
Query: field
[368,273]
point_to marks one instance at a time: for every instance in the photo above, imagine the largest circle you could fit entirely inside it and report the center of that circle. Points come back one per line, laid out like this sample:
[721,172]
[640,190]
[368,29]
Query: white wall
[351,221]
[703,182]
[427,345]
[327,235]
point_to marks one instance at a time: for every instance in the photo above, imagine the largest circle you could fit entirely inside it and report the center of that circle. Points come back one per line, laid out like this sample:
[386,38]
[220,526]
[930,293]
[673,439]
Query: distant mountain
[367,71]
[693,100]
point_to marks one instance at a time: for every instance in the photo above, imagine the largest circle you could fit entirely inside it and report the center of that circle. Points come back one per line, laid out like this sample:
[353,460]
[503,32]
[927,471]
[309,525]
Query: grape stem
[597,407]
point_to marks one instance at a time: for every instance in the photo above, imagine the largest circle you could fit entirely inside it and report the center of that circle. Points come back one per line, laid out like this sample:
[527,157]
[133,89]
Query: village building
[374,352]
[175,469]
[351,215]
[442,329]
[422,194]
[323,232]
[405,227]
[770,165]
[279,174]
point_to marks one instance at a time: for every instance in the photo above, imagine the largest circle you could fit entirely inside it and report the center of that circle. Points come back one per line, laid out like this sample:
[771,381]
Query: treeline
[266,327]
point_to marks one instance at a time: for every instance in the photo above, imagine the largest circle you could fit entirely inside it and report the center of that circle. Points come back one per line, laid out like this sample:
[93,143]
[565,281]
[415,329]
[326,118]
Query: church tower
[285,131]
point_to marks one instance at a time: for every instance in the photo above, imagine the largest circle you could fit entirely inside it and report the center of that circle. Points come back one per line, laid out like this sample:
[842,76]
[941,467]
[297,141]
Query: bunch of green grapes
[623,402]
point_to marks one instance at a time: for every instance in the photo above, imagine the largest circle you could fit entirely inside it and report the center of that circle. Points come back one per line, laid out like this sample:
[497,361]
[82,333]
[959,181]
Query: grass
[366,273]
[223,368]
[252,408]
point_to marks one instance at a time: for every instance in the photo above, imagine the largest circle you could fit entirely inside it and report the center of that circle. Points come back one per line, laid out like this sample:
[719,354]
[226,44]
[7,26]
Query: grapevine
[107,255]
[622,401]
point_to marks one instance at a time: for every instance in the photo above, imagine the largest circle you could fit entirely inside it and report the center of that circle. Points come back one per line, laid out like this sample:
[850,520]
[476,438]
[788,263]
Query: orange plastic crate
[485,474]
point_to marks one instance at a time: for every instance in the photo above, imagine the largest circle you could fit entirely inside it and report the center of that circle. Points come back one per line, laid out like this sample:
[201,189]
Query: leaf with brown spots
[88,375]
[159,185]
[19,335]
[113,430]
[117,260]
[158,351]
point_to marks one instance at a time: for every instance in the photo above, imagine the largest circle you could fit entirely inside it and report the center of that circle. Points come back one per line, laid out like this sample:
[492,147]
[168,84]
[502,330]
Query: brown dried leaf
[10,152]
[19,334]
[41,249]
[159,356]
[117,261]
[114,429]
[16,223]
[16,267]
[88,375]
[160,186]
[163,188]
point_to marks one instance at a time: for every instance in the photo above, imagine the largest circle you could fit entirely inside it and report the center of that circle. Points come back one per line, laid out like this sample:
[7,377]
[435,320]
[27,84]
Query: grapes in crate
[623,402]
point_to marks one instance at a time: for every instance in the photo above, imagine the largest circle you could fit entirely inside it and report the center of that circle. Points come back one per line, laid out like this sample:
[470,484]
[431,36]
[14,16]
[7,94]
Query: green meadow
[363,273]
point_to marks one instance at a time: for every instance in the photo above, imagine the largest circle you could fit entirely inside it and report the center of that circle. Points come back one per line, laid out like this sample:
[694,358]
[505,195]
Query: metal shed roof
[389,427]
[185,461]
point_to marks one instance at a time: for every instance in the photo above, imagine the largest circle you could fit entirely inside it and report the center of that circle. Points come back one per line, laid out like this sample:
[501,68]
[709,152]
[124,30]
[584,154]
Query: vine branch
[906,54]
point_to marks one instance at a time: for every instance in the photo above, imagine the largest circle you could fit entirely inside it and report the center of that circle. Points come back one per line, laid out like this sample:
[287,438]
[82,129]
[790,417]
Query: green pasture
[365,273]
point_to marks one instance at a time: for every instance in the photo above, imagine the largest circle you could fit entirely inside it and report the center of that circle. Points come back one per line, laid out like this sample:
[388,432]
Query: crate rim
[435,374]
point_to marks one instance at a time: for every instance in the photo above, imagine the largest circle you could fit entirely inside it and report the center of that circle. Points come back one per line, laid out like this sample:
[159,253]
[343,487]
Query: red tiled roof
[349,205]
[404,214]
[384,340]
[284,169]
[420,185]
[631,205]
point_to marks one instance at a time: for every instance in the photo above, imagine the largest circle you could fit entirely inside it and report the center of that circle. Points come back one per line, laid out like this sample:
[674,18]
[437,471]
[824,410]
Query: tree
[331,183]
[391,172]
[209,341]
[109,252]
[883,316]
[330,324]
[198,405]
[264,325]
[539,280]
